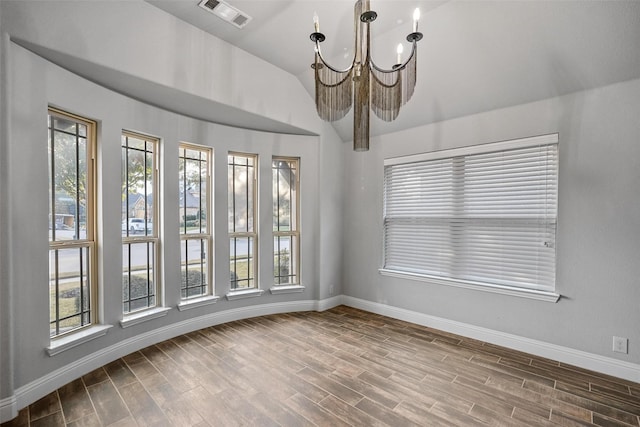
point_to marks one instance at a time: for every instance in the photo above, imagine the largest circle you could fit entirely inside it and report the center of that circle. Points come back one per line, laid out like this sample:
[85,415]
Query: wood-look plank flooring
[342,367]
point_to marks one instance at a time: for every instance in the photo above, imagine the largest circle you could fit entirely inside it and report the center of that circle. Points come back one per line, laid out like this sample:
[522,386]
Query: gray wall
[598,240]
[37,83]
[83,37]
[141,50]
[341,191]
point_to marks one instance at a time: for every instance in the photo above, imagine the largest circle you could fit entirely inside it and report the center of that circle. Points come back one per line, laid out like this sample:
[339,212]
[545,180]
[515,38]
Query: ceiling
[476,55]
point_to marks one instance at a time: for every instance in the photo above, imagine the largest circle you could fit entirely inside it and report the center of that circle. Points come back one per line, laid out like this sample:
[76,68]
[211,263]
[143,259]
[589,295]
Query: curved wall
[32,83]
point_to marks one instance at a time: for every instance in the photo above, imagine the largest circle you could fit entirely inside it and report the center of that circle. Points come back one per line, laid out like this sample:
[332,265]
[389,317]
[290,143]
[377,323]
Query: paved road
[68,258]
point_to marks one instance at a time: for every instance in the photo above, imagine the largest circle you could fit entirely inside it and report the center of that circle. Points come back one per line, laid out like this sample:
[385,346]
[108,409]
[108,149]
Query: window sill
[286,289]
[136,318]
[248,293]
[497,289]
[197,302]
[58,345]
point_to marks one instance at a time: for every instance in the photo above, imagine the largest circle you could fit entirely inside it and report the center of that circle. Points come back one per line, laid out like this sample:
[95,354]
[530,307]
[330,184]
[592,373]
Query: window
[483,215]
[139,222]
[72,263]
[285,221]
[195,230]
[242,220]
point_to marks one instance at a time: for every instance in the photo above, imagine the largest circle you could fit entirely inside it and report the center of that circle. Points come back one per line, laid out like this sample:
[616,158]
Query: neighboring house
[136,206]
[65,210]
[189,204]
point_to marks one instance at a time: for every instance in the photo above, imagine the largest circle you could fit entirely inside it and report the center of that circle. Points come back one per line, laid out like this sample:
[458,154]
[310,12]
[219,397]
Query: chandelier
[364,84]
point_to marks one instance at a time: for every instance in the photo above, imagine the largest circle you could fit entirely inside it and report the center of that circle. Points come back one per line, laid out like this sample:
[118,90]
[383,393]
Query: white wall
[598,273]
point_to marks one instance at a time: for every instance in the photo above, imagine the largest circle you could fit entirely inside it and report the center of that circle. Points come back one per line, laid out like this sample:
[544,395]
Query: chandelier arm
[414,50]
[326,64]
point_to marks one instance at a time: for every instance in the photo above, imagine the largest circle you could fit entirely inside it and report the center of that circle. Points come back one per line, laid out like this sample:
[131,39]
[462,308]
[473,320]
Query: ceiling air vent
[225,11]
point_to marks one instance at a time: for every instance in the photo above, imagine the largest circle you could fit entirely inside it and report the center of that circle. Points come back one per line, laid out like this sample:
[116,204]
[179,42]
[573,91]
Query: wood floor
[336,368]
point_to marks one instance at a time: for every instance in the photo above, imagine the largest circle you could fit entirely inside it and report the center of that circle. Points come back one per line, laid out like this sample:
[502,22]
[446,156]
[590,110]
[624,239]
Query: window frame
[208,236]
[90,240]
[147,238]
[545,293]
[294,232]
[253,271]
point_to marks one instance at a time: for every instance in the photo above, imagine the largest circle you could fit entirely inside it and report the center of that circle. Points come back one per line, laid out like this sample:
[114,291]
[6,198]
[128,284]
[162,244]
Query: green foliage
[195,280]
[282,264]
[139,286]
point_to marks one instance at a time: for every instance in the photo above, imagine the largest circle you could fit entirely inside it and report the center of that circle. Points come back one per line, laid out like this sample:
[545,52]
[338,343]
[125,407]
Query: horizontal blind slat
[488,217]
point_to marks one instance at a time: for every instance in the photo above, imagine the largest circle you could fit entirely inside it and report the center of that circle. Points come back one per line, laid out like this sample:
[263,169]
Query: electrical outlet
[331,290]
[620,345]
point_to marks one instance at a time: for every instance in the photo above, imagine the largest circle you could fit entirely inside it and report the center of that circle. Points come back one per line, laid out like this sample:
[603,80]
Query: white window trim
[286,289]
[143,316]
[188,304]
[244,293]
[81,336]
[475,149]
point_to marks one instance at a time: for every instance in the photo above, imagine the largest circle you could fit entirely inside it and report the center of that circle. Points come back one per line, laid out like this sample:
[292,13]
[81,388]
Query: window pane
[64,125]
[193,168]
[241,199]
[284,183]
[69,186]
[202,196]
[241,188]
[136,143]
[138,288]
[284,263]
[242,260]
[193,257]
[137,187]
[69,289]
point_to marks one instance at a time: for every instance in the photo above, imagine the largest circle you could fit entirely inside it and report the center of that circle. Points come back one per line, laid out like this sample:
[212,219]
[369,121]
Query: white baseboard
[33,391]
[39,388]
[8,408]
[329,303]
[582,359]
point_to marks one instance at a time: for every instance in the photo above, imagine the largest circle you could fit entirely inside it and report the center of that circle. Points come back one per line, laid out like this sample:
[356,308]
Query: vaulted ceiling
[476,55]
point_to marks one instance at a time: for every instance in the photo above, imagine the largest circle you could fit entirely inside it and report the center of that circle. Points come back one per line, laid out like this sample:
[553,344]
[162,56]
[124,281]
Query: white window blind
[484,215]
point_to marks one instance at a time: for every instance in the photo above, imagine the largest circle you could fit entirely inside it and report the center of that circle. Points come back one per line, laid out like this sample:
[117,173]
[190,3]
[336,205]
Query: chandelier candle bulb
[416,18]
[316,22]
[399,50]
